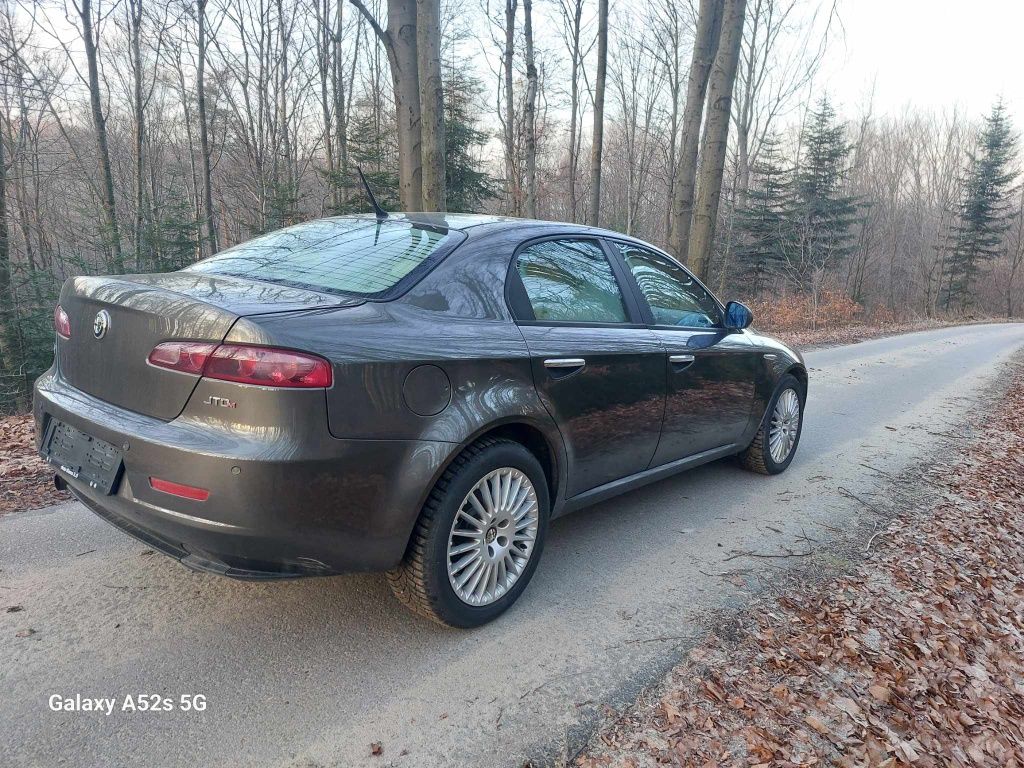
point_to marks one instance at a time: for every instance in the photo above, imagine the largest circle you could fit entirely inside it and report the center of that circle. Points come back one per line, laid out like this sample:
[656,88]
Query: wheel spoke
[468,574]
[469,546]
[475,581]
[477,524]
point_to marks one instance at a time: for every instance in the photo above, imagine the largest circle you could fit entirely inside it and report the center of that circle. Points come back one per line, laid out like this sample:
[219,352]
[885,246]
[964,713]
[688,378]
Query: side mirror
[737,315]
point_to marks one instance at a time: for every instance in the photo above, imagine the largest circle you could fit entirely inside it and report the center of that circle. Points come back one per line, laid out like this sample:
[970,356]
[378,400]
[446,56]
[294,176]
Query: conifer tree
[985,209]
[763,226]
[821,212]
[468,185]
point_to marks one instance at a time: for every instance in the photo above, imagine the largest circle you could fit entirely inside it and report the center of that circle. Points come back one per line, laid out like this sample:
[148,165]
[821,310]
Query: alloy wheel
[492,537]
[785,426]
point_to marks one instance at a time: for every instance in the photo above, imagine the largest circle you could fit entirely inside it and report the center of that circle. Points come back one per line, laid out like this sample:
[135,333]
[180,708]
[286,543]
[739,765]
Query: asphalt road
[312,672]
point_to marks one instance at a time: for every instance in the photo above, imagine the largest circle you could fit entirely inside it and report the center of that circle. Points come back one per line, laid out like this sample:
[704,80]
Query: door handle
[564,362]
[680,359]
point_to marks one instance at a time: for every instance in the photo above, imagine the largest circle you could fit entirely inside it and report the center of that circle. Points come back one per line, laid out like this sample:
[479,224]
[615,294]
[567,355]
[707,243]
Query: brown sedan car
[418,394]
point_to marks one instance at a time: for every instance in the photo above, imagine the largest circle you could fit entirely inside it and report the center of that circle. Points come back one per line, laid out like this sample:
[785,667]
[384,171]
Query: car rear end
[214,450]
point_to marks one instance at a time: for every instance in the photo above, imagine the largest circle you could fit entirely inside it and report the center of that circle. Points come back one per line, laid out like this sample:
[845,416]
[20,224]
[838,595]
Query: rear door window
[570,281]
[359,257]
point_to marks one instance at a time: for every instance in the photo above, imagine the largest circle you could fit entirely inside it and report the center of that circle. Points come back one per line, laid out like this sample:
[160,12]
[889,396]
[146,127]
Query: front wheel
[479,537]
[775,444]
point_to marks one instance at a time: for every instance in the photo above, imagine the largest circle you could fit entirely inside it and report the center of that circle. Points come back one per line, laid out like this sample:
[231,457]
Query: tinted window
[353,256]
[675,297]
[571,281]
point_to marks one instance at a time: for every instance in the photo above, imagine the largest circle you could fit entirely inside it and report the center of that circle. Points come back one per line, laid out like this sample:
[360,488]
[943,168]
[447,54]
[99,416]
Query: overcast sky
[929,53]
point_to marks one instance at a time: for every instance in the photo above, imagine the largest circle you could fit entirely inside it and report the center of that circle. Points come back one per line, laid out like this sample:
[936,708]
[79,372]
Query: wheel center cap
[491,535]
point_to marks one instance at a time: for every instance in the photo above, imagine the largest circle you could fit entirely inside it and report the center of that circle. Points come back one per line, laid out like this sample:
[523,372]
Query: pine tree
[468,185]
[373,148]
[985,209]
[763,226]
[821,212]
[172,240]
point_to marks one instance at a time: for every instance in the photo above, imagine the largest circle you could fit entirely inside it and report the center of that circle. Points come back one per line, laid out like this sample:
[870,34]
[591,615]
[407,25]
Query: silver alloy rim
[785,426]
[492,536]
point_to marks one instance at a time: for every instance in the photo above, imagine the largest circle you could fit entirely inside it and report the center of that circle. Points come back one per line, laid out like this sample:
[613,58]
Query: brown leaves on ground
[26,481]
[831,317]
[918,659]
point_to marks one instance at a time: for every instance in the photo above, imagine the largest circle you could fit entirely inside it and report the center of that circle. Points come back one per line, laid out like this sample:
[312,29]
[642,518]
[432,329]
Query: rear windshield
[351,256]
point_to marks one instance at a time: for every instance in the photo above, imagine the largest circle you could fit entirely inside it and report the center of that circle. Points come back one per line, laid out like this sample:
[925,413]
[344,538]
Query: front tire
[776,441]
[478,539]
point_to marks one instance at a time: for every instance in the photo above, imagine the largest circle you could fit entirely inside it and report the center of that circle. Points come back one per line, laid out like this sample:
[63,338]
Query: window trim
[521,309]
[646,311]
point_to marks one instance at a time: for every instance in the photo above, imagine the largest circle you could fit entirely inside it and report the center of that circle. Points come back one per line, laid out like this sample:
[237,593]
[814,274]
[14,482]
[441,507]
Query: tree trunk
[530,113]
[598,141]
[705,45]
[428,51]
[716,135]
[401,34]
[574,107]
[8,318]
[204,136]
[511,164]
[111,234]
[399,41]
[135,26]
[326,71]
[340,102]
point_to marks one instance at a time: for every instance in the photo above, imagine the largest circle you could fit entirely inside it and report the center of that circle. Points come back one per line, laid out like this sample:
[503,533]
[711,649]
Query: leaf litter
[916,659]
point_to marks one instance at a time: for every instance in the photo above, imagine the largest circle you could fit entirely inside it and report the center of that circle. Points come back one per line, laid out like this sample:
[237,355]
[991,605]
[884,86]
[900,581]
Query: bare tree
[670,24]
[90,33]
[571,15]
[530,112]
[204,127]
[1016,256]
[779,57]
[597,142]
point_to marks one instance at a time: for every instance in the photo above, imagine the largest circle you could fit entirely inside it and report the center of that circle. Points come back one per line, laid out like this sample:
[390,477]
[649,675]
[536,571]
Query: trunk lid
[140,311]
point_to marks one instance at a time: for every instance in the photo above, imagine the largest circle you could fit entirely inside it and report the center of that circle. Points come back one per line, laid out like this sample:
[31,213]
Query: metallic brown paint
[325,481]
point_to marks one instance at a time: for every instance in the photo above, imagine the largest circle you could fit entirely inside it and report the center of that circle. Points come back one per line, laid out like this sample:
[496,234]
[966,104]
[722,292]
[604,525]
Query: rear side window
[570,281]
[353,256]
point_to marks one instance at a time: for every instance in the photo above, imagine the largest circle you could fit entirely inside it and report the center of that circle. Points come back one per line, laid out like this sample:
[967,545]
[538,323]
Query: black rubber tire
[420,582]
[758,456]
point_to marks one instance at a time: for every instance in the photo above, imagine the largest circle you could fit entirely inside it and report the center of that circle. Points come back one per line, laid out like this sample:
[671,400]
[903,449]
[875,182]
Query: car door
[710,370]
[597,369]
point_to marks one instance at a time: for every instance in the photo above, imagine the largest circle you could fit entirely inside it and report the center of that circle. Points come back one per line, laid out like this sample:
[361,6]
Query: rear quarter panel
[456,320]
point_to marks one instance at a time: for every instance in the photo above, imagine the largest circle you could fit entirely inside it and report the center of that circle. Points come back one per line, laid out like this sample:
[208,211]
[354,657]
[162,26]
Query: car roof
[475,224]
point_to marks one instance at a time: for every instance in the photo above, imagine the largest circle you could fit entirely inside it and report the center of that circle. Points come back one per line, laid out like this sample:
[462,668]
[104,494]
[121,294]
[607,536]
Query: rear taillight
[263,366]
[268,367]
[184,356]
[61,322]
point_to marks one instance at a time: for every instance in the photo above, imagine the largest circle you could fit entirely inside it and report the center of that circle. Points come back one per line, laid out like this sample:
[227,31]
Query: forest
[140,136]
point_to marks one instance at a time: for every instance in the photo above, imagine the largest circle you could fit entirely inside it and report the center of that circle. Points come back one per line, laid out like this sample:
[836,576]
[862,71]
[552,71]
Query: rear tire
[759,456]
[495,545]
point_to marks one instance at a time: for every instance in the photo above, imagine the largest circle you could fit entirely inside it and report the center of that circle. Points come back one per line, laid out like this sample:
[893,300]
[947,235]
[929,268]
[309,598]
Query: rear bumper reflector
[177,489]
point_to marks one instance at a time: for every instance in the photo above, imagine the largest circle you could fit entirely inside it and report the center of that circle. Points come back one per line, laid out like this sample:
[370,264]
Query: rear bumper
[281,504]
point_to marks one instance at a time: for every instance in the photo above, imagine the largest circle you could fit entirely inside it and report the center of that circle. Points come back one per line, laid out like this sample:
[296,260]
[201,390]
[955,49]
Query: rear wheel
[479,537]
[776,441]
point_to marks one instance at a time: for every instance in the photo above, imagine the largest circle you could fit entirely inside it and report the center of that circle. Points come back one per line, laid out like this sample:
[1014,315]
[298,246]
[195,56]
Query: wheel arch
[799,372]
[542,440]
